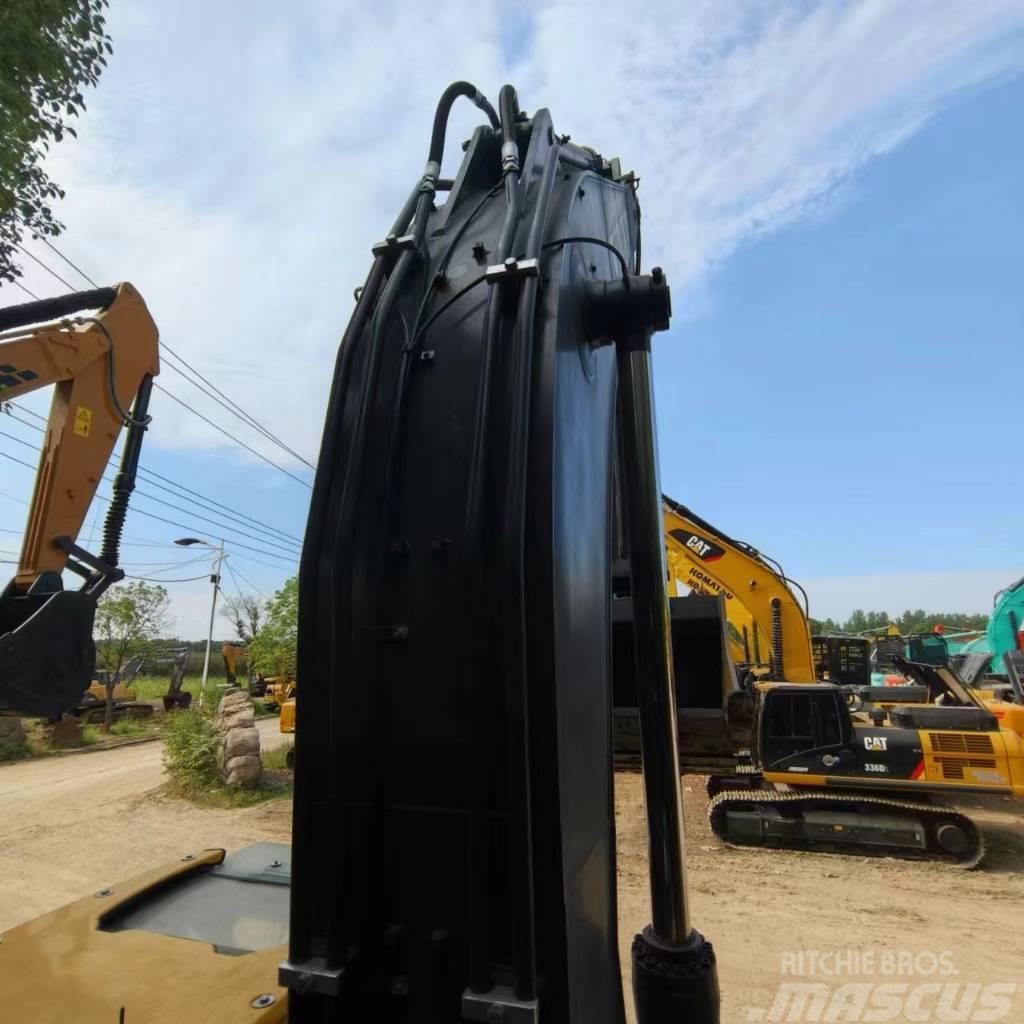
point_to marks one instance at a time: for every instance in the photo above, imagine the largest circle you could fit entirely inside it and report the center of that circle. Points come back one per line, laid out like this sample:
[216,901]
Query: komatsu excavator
[100,364]
[770,632]
[453,854]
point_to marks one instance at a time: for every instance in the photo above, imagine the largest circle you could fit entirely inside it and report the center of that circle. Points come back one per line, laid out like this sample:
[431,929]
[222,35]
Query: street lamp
[187,542]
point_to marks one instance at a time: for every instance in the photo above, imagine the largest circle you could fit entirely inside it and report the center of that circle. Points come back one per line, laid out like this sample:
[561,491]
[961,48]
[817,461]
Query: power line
[213,501]
[49,270]
[21,462]
[150,579]
[29,293]
[73,266]
[256,561]
[217,426]
[170,522]
[232,406]
[25,409]
[212,522]
[250,583]
[228,513]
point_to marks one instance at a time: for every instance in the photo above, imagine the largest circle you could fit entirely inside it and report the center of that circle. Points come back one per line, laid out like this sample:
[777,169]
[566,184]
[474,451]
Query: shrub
[12,750]
[128,727]
[191,750]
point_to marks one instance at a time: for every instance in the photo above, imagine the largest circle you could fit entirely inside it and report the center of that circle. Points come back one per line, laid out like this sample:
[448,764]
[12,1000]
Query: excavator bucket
[47,652]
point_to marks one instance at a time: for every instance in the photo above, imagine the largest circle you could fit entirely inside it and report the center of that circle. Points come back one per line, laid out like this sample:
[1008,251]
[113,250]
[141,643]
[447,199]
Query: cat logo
[706,550]
[876,742]
[702,547]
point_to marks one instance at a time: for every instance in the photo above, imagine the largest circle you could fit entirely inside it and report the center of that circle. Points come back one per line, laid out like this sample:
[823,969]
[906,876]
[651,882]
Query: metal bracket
[393,243]
[512,268]
[499,1006]
[67,545]
[310,976]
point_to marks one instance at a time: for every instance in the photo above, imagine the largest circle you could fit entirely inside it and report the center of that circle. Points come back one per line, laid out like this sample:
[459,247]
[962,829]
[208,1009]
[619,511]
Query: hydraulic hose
[444,106]
[513,552]
[124,481]
[478,852]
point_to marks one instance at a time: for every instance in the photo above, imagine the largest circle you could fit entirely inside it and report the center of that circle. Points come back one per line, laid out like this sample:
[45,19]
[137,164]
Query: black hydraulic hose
[124,481]
[477,747]
[513,556]
[305,884]
[51,309]
[444,106]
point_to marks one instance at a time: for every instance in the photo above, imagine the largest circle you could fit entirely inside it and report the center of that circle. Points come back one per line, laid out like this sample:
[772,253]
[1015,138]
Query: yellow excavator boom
[758,600]
[101,365]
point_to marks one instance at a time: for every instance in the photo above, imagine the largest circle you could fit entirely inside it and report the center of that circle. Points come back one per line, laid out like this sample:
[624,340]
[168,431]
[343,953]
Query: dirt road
[69,826]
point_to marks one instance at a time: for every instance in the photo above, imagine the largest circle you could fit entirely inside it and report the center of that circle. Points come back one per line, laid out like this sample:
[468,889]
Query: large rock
[245,771]
[240,749]
[12,731]
[241,741]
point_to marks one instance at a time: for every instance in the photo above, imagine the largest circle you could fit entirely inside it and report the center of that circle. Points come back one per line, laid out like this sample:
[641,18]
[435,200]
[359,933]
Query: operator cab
[799,723]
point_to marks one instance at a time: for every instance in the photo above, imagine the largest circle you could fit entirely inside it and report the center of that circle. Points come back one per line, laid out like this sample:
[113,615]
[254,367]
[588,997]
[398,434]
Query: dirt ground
[759,908]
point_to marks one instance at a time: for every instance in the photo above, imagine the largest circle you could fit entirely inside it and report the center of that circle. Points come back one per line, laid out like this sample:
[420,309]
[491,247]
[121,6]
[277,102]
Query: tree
[246,613]
[128,619]
[272,650]
[49,51]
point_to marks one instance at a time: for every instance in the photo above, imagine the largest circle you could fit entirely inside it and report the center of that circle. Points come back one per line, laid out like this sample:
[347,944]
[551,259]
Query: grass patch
[191,751]
[91,735]
[154,687]
[132,728]
[276,760]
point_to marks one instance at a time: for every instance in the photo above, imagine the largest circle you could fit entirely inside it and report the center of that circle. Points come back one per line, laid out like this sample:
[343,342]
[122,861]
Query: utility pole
[215,580]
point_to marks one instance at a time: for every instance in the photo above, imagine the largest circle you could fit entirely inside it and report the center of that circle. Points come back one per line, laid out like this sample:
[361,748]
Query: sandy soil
[68,826]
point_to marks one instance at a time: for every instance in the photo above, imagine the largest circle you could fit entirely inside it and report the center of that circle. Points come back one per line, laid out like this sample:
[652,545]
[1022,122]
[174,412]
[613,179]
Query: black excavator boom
[454,835]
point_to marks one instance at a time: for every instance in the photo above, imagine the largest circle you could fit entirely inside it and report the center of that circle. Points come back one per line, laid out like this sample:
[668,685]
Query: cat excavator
[102,366]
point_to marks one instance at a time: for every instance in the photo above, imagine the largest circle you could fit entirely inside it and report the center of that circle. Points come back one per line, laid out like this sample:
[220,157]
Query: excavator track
[845,822]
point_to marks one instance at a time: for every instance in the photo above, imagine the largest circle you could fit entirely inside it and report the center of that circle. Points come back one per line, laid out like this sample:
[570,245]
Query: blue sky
[848,394]
[833,189]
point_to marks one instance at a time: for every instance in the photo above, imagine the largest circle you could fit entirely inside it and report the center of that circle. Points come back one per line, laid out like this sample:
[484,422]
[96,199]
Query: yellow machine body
[59,967]
[288,715]
[708,563]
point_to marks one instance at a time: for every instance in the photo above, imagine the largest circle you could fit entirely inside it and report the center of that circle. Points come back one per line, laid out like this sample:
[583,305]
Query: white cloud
[239,174]
[836,597]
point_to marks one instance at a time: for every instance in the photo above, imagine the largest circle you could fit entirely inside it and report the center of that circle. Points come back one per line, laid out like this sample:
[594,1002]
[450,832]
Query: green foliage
[50,50]
[90,736]
[128,620]
[130,728]
[272,650]
[129,617]
[191,748]
[14,751]
[911,621]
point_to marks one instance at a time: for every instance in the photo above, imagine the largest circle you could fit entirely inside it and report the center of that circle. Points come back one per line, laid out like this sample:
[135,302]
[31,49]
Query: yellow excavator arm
[769,622]
[101,366]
